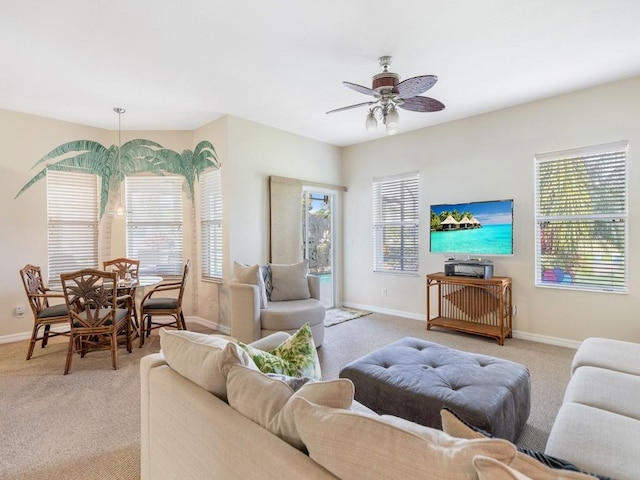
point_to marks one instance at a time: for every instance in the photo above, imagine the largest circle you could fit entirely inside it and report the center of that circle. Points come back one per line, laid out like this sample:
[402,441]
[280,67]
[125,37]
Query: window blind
[581,218]
[211,224]
[154,223]
[72,222]
[395,224]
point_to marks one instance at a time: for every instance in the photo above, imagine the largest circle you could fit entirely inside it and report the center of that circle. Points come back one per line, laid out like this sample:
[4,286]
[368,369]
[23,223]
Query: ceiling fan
[390,94]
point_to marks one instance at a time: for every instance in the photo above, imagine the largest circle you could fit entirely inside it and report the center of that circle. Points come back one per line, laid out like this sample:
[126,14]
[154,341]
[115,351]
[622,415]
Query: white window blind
[395,224]
[154,223]
[581,218]
[72,222]
[211,224]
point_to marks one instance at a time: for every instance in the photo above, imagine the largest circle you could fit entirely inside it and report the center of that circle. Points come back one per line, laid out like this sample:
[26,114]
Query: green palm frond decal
[136,156]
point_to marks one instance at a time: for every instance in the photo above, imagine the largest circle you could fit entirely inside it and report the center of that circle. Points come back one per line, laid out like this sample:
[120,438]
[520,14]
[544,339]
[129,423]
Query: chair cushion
[253,276]
[160,303]
[53,311]
[121,313]
[292,314]
[289,282]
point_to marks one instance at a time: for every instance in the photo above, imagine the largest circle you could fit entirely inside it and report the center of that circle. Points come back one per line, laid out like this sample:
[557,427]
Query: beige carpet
[86,425]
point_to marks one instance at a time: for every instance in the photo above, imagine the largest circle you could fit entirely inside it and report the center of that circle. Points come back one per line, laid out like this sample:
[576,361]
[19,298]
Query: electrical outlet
[515,310]
[19,311]
[384,292]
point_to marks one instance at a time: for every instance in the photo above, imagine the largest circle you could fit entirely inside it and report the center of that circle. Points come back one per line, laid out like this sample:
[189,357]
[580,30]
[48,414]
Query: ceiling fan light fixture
[392,117]
[371,122]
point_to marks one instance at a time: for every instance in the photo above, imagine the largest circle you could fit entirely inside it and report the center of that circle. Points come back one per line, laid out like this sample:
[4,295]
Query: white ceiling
[179,65]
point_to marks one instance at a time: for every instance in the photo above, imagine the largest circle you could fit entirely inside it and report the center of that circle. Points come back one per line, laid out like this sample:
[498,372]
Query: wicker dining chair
[44,314]
[90,296]
[122,267]
[164,306]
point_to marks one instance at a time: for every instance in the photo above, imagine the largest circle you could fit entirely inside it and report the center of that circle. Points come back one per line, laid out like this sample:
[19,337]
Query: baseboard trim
[209,324]
[533,337]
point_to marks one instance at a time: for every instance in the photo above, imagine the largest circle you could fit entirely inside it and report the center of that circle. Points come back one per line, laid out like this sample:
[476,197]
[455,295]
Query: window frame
[211,225]
[405,219]
[596,230]
[66,218]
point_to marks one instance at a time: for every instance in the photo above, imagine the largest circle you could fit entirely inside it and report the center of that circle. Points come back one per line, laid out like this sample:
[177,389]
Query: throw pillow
[253,276]
[203,359]
[490,469]
[457,427]
[265,271]
[295,357]
[354,445]
[267,401]
[289,282]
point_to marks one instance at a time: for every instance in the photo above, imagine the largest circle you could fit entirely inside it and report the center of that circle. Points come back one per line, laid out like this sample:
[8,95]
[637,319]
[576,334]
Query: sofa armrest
[245,311]
[314,286]
[270,342]
[147,363]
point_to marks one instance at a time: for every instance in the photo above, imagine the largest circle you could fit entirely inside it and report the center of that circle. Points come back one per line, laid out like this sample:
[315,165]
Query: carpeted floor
[86,425]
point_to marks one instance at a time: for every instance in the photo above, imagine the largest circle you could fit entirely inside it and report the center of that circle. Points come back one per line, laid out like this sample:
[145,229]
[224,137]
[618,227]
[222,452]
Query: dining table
[129,286]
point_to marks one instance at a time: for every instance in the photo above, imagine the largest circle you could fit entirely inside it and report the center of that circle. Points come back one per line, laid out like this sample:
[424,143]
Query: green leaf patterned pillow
[295,357]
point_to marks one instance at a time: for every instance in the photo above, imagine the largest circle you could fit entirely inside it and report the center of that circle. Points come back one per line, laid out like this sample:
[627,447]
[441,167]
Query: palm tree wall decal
[136,156]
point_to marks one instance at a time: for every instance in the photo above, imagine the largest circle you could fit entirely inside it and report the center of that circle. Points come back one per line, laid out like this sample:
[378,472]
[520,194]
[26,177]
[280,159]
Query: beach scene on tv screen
[481,228]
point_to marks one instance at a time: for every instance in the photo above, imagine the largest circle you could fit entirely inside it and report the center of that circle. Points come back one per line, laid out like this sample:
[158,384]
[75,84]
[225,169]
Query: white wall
[490,157]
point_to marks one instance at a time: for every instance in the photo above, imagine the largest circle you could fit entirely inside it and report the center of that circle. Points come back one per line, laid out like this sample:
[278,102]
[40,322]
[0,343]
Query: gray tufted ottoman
[414,379]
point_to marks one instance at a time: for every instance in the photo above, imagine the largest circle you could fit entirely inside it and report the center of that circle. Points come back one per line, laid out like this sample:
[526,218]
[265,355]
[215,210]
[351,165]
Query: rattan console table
[472,305]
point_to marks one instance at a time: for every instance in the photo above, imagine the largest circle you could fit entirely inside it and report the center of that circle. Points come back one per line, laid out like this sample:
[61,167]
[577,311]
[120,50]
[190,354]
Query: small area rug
[334,316]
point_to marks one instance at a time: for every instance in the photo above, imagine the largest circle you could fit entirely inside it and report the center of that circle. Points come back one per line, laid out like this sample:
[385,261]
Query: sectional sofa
[208,413]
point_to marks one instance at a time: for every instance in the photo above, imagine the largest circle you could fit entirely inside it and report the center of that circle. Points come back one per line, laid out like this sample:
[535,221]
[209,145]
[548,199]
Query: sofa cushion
[267,401]
[607,353]
[295,357]
[203,359]
[455,426]
[289,282]
[589,437]
[252,275]
[354,445]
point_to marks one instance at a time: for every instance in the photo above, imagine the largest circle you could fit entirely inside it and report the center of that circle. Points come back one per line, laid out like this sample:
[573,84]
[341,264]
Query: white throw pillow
[289,282]
[252,275]
[203,359]
[354,445]
[268,401]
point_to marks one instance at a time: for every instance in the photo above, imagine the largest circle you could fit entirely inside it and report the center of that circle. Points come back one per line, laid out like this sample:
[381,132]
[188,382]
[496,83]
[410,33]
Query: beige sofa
[598,425]
[188,432]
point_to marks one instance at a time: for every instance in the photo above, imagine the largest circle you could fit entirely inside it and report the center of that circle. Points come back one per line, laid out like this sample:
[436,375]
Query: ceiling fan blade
[415,86]
[422,104]
[361,89]
[350,107]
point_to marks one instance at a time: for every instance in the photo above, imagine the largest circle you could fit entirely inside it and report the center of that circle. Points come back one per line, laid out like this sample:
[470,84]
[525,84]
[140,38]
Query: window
[581,218]
[154,223]
[72,222]
[395,224]
[211,224]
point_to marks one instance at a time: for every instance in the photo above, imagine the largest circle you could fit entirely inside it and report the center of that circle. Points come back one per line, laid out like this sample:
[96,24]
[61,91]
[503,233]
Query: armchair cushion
[289,282]
[295,357]
[253,276]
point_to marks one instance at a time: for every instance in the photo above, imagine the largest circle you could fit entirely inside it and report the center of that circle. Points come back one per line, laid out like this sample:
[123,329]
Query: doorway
[318,239]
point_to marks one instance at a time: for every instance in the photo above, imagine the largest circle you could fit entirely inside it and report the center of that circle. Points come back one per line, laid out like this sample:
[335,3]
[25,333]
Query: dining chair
[123,267]
[164,306]
[44,314]
[96,313]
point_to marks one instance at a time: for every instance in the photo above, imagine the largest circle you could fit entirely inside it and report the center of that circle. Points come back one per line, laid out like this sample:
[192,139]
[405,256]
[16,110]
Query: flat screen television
[472,229]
